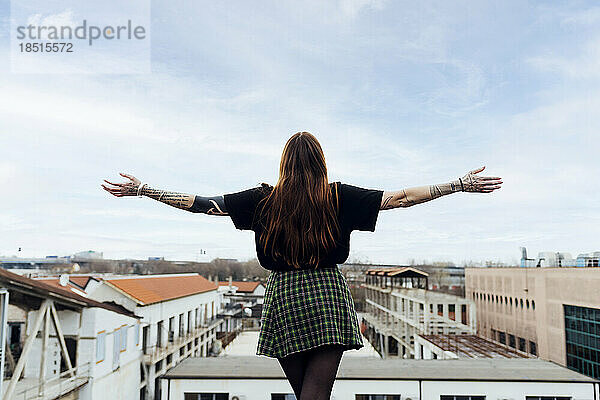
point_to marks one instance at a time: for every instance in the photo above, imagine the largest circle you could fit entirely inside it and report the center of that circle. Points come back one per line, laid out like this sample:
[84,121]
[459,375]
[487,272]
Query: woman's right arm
[213,205]
[415,195]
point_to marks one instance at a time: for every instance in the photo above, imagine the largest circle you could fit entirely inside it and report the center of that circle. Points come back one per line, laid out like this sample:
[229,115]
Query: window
[100,346]
[171,329]
[283,396]
[532,348]
[137,334]
[522,344]
[116,348]
[159,334]
[461,397]
[502,337]
[582,332]
[123,337]
[377,397]
[181,332]
[206,396]
[511,341]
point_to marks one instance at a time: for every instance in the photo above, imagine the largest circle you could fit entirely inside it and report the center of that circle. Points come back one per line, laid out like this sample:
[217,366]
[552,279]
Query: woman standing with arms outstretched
[302,231]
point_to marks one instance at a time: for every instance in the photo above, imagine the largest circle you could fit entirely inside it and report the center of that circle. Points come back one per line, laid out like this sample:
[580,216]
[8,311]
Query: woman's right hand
[123,189]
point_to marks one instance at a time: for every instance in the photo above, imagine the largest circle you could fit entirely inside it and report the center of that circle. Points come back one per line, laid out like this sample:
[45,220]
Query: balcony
[53,388]
[152,354]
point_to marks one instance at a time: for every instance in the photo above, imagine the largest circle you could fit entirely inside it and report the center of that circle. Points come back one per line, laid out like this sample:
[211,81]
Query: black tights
[311,373]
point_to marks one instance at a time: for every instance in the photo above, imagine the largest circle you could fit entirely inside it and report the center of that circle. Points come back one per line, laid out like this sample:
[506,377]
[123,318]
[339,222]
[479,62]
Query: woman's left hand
[482,184]
[123,189]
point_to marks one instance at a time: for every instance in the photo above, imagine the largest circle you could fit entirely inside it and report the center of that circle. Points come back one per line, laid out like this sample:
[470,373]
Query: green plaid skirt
[304,309]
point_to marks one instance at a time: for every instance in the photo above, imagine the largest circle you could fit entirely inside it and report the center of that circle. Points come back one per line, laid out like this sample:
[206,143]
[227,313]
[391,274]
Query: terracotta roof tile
[150,290]
[247,287]
[80,281]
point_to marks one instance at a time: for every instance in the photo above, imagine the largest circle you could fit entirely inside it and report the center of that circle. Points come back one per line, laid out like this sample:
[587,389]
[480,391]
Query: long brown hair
[299,216]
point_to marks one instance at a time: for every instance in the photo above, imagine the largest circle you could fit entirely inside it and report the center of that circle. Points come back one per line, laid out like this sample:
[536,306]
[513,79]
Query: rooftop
[472,346]
[41,290]
[245,344]
[245,287]
[154,289]
[370,368]
[398,272]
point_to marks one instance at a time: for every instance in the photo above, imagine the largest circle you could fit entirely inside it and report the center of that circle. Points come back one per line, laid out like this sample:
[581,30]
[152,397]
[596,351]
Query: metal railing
[56,386]
[155,352]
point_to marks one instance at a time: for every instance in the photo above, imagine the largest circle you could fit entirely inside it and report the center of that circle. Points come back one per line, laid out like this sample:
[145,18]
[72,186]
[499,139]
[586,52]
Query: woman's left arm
[416,195]
[214,205]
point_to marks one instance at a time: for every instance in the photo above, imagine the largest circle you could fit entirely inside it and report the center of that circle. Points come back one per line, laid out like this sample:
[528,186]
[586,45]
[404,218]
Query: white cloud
[584,65]
[58,20]
[351,8]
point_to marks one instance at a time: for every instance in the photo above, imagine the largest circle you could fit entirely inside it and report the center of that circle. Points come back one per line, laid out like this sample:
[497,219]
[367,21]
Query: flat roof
[472,346]
[354,368]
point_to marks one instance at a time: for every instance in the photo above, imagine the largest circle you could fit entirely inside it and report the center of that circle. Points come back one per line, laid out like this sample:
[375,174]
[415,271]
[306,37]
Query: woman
[302,231]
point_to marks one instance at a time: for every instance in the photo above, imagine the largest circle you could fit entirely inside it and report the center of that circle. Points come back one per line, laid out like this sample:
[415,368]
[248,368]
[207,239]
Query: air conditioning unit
[237,397]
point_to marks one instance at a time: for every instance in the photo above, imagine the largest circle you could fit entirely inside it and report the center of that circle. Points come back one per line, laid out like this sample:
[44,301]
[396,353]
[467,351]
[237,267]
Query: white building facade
[259,378]
[178,319]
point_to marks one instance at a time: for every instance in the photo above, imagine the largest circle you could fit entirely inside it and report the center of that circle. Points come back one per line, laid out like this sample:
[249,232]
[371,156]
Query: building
[445,277]
[399,308]
[560,259]
[178,318]
[242,307]
[88,255]
[260,378]
[450,347]
[34,263]
[252,292]
[553,313]
[68,345]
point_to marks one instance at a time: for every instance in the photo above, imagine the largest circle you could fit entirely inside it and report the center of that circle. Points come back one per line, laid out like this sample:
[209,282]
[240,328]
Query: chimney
[63,280]
[230,280]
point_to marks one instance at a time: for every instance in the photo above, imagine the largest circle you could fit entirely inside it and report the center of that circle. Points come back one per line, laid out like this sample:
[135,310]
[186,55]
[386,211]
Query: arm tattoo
[396,199]
[385,205]
[443,189]
[188,202]
[411,196]
[471,182]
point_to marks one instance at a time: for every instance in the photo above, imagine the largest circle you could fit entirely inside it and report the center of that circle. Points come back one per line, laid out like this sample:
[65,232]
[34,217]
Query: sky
[398,93]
